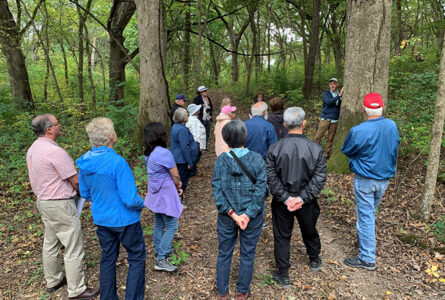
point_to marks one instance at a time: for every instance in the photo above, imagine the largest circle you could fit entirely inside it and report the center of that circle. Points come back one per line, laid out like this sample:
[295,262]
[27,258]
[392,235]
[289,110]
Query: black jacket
[198,101]
[276,119]
[172,111]
[295,167]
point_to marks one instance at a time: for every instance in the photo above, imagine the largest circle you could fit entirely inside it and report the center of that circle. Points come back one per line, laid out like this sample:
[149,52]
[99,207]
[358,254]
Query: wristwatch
[231,211]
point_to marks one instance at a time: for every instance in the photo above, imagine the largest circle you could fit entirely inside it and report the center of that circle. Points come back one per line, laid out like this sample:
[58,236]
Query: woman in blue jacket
[183,146]
[240,203]
[106,180]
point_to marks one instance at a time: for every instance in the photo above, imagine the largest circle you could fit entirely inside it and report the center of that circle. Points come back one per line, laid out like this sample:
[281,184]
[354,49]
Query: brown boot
[225,297]
[241,296]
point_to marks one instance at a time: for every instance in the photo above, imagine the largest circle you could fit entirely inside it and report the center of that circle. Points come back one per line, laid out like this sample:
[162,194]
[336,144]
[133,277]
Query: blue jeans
[227,236]
[368,193]
[163,239]
[132,239]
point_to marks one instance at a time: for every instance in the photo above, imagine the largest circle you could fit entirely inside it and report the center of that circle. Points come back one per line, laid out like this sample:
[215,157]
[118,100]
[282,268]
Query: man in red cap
[372,150]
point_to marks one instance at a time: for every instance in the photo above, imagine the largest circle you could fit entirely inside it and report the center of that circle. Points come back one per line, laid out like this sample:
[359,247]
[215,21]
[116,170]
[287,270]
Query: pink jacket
[220,145]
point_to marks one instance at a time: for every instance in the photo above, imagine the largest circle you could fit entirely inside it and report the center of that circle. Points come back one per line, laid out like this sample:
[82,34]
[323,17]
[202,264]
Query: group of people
[265,154]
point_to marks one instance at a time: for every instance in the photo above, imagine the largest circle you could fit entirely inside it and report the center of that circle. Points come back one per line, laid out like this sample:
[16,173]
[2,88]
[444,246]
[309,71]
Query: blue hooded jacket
[106,179]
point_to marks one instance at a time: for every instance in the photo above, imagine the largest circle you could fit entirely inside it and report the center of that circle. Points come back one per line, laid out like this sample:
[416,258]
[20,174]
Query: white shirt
[198,131]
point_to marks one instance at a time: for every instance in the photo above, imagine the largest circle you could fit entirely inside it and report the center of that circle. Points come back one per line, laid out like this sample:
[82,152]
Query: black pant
[207,124]
[283,223]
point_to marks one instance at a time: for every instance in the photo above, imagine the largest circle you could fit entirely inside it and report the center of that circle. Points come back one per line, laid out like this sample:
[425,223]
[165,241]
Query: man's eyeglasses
[53,125]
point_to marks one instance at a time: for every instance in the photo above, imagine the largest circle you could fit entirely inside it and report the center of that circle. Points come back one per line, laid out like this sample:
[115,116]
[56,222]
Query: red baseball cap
[373,101]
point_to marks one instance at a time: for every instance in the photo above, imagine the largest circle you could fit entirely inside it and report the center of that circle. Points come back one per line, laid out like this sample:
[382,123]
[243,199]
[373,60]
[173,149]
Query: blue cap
[181,97]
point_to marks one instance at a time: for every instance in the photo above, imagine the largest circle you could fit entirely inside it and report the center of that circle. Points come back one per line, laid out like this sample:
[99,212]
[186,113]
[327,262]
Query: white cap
[202,89]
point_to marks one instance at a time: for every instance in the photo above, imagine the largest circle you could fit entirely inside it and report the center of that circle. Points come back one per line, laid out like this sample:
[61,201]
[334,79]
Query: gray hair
[293,117]
[41,123]
[374,112]
[234,134]
[180,115]
[99,130]
[258,108]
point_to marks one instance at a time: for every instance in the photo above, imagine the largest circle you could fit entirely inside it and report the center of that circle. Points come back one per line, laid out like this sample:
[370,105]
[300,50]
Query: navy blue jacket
[260,135]
[232,189]
[372,148]
[183,145]
[106,179]
[331,106]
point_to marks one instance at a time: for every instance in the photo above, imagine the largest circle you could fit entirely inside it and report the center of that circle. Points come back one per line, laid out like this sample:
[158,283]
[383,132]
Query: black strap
[243,167]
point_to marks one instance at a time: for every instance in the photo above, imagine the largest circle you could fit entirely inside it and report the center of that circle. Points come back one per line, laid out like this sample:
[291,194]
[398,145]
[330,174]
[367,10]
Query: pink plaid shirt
[49,167]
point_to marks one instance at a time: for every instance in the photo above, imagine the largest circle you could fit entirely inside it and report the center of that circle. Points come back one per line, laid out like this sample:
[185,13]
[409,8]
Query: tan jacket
[220,145]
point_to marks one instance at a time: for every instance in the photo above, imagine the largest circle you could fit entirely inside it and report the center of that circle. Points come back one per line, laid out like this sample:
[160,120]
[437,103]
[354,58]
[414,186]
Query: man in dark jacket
[205,113]
[179,102]
[329,115]
[296,173]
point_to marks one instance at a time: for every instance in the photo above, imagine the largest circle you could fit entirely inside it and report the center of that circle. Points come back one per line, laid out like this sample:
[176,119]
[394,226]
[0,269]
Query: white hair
[99,130]
[374,112]
[180,115]
[293,117]
[258,110]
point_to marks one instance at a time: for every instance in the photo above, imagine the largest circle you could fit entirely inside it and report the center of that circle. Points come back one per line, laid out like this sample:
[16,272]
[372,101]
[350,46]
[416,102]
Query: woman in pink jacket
[226,115]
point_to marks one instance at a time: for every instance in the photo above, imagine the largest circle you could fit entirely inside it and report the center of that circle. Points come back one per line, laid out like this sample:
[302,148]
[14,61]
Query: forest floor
[404,271]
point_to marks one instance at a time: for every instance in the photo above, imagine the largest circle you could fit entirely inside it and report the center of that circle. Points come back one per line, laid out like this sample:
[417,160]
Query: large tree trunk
[313,49]
[10,42]
[153,105]
[120,14]
[435,144]
[368,37]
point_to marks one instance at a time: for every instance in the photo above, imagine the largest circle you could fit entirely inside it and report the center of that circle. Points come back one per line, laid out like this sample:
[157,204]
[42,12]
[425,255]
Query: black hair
[40,123]
[155,134]
[234,134]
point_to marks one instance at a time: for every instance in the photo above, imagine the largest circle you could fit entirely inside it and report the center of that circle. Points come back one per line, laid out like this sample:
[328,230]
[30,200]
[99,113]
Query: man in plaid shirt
[55,183]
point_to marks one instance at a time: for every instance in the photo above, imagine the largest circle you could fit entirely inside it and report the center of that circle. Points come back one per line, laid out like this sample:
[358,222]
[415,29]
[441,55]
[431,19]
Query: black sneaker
[281,280]
[315,264]
[55,288]
[266,224]
[356,262]
[165,265]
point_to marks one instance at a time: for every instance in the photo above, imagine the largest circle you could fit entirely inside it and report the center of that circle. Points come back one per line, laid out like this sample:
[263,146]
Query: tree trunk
[65,61]
[187,45]
[435,144]
[201,30]
[368,37]
[399,36]
[251,9]
[90,71]
[153,105]
[10,42]
[313,49]
[120,14]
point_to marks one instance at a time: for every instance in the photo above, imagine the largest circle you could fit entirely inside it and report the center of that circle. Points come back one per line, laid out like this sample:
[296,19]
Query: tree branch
[31,20]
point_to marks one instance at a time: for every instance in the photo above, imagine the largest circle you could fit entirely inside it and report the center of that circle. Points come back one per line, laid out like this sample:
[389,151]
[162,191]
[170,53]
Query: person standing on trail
[179,102]
[372,150]
[260,133]
[55,183]
[164,188]
[329,115]
[296,173]
[239,188]
[205,113]
[227,114]
[105,178]
[276,117]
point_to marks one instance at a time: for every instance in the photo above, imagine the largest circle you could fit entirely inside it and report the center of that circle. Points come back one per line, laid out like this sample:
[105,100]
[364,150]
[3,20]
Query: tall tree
[10,41]
[435,144]
[153,104]
[120,14]
[368,35]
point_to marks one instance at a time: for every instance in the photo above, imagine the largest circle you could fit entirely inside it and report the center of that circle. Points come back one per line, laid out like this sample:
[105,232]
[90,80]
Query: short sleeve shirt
[159,163]
[49,167]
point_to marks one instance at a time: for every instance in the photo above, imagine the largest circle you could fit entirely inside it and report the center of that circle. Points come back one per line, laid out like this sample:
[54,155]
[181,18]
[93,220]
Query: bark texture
[153,105]
[368,37]
[10,41]
[435,144]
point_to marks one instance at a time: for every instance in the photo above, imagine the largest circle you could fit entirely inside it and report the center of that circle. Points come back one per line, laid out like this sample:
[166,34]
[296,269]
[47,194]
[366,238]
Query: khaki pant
[323,126]
[62,227]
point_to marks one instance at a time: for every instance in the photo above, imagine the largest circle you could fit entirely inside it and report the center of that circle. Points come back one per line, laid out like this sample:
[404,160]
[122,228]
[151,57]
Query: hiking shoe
[58,286]
[315,264]
[89,293]
[225,297]
[281,280]
[241,296]
[356,262]
[165,265]
[266,225]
